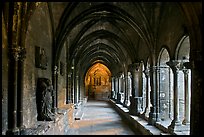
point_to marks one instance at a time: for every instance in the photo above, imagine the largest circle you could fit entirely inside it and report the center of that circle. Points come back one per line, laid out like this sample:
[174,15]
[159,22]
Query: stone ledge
[139,124]
[160,128]
[50,127]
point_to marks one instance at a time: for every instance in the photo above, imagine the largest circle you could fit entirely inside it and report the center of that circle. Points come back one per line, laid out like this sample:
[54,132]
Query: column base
[54,110]
[135,106]
[14,131]
[118,100]
[186,126]
[146,113]
[22,130]
[125,103]
[175,126]
[112,94]
[152,116]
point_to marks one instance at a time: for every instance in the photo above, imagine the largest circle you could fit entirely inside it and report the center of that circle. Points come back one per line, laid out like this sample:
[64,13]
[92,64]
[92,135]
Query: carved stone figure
[44,100]
[41,59]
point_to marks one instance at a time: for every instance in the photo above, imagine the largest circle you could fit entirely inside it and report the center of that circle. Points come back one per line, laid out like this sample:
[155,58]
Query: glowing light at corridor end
[97,80]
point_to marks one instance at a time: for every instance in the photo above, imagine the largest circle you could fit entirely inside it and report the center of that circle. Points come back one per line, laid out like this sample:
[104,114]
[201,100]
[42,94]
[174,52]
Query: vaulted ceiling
[113,33]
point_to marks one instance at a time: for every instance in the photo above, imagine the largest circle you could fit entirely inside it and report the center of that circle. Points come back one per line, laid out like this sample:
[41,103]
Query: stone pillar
[20,90]
[122,91]
[176,122]
[76,89]
[125,103]
[158,69]
[73,85]
[69,88]
[135,100]
[16,52]
[116,87]
[196,65]
[112,88]
[129,88]
[187,88]
[118,100]
[12,91]
[54,94]
[154,114]
[147,108]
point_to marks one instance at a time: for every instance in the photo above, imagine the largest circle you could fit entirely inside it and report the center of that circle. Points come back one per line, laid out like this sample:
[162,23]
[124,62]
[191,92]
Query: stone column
[118,100]
[54,94]
[69,88]
[20,90]
[122,91]
[135,100]
[112,88]
[125,103]
[176,122]
[187,88]
[73,85]
[158,69]
[76,89]
[115,87]
[154,114]
[16,52]
[129,87]
[12,91]
[147,108]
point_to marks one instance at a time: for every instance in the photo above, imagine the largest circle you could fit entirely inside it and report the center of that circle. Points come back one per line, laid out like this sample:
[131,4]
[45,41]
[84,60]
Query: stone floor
[99,118]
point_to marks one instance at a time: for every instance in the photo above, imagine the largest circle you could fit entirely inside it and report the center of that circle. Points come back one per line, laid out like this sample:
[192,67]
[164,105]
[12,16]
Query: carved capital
[187,65]
[155,69]
[185,71]
[134,67]
[146,72]
[175,65]
[120,75]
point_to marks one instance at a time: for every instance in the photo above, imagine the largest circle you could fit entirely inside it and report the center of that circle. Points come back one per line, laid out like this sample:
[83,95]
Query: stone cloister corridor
[102,68]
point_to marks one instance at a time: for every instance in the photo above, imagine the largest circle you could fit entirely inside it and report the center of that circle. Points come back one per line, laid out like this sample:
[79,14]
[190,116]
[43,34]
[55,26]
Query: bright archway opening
[98,82]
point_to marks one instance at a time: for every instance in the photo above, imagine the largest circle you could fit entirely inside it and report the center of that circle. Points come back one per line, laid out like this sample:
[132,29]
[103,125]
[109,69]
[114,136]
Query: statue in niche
[44,100]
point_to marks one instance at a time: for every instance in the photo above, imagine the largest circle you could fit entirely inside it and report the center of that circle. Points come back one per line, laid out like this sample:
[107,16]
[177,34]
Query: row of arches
[170,100]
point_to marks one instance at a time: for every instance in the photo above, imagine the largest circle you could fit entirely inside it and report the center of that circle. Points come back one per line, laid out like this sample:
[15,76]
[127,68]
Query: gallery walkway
[99,118]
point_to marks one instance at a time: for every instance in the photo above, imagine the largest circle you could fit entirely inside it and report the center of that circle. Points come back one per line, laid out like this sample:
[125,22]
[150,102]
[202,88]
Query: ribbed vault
[101,32]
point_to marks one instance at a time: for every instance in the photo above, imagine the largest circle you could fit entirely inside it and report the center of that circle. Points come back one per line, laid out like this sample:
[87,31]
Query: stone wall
[62,125]
[38,34]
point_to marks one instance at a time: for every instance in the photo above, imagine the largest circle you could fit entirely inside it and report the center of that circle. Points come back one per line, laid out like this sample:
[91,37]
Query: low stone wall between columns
[138,124]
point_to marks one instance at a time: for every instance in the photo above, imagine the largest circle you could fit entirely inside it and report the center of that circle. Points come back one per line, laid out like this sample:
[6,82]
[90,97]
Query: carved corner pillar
[135,107]
[134,70]
[154,109]
[135,100]
[175,125]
